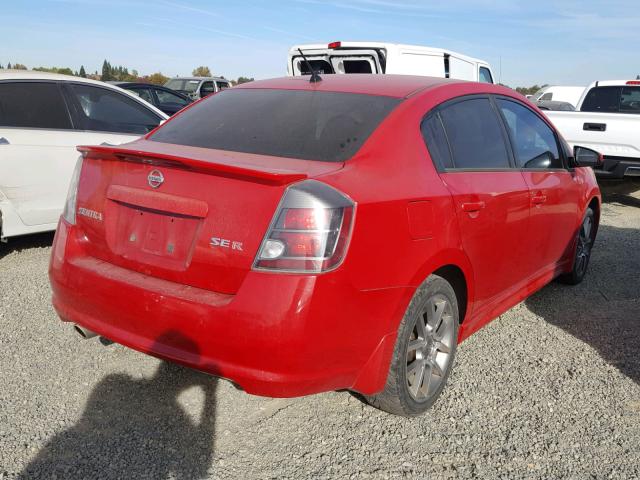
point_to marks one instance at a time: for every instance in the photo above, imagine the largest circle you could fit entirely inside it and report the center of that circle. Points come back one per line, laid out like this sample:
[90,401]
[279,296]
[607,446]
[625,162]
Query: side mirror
[585,157]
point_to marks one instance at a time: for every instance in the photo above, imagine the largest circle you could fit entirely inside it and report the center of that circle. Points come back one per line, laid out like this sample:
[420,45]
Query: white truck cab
[388,58]
[607,119]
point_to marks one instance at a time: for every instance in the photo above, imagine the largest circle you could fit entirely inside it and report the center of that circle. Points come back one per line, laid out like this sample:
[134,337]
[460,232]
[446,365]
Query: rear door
[490,196]
[37,151]
[554,189]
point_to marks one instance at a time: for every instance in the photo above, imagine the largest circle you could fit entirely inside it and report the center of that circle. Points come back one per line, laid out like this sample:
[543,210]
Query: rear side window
[602,99]
[436,140]
[475,135]
[308,125]
[319,66]
[357,66]
[485,75]
[533,141]
[103,110]
[33,105]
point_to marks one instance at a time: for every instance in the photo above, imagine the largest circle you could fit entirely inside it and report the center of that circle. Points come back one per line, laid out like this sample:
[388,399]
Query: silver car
[197,87]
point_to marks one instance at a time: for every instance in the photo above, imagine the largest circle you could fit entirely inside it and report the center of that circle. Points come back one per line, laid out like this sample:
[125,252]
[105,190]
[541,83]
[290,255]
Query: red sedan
[296,237]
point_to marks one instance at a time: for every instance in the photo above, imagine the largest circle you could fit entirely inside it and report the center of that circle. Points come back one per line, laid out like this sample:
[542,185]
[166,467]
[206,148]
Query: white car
[389,58]
[43,117]
[558,93]
[607,119]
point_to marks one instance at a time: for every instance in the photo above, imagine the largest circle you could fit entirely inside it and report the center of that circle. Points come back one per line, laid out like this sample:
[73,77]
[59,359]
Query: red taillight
[334,45]
[310,231]
[633,82]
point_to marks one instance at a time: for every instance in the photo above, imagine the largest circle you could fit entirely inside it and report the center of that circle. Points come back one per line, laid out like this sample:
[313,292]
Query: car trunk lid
[191,215]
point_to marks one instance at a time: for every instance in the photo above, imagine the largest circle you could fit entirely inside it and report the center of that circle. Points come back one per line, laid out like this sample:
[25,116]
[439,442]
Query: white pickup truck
[607,119]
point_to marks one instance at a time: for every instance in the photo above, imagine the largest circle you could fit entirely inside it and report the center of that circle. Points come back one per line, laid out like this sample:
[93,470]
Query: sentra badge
[85,212]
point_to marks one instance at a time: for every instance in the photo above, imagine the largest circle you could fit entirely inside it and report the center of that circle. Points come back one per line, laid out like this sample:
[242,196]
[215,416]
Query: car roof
[399,86]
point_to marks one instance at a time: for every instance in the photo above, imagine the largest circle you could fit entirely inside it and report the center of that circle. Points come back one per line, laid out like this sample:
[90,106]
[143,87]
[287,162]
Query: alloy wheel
[429,350]
[583,249]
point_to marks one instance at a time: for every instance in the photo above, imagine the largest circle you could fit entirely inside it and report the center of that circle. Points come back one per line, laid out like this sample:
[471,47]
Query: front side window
[104,110]
[533,140]
[182,85]
[547,96]
[309,125]
[33,105]
[222,85]
[485,75]
[475,135]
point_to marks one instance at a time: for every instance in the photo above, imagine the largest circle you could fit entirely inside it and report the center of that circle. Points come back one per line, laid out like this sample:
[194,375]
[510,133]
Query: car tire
[584,243]
[424,351]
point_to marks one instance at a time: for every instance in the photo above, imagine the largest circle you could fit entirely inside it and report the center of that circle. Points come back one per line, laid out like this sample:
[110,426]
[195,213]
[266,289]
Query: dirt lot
[550,389]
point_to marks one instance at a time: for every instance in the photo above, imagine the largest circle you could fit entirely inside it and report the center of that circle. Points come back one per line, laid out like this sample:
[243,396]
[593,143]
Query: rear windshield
[326,126]
[612,100]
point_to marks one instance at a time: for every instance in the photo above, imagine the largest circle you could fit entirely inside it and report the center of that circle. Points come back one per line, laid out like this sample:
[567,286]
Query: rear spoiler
[260,175]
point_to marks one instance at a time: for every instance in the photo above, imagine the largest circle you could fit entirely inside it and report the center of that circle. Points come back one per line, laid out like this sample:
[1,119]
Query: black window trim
[505,135]
[70,100]
[561,151]
[58,83]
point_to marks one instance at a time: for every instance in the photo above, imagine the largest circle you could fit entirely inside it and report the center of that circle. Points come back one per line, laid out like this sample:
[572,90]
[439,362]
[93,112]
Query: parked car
[43,117]
[558,93]
[350,242]
[607,120]
[389,58]
[555,105]
[163,98]
[197,87]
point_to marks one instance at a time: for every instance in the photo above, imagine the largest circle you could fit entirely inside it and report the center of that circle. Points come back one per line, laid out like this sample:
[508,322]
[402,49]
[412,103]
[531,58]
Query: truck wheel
[584,242]
[424,351]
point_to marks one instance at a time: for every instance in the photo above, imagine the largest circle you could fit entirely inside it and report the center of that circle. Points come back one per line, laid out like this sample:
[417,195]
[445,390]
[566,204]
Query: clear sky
[555,42]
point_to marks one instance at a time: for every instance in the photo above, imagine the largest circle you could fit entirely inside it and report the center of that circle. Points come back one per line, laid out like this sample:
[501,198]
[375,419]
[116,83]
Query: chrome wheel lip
[429,350]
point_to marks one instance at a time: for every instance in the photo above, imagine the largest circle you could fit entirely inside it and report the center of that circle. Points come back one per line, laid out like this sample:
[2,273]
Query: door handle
[595,127]
[4,141]
[472,206]
[538,199]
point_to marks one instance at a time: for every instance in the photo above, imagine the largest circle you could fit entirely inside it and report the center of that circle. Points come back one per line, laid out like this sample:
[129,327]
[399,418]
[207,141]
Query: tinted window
[165,97]
[547,96]
[320,66]
[485,75]
[533,141]
[183,85]
[357,66]
[436,140]
[288,123]
[630,100]
[475,135]
[222,85]
[33,105]
[143,93]
[602,99]
[207,89]
[103,110]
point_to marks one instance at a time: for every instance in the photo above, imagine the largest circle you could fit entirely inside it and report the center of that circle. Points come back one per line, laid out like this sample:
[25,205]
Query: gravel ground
[550,389]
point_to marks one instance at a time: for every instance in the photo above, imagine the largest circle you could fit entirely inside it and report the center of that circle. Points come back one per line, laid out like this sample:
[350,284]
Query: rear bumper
[618,168]
[280,335]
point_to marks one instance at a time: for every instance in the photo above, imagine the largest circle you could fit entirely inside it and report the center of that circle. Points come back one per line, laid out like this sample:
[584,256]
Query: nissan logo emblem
[155,178]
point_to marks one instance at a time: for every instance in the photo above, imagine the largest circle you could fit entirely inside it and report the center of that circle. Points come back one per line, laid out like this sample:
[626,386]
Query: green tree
[201,71]
[155,78]
[106,72]
[83,74]
[9,66]
[244,80]
[19,66]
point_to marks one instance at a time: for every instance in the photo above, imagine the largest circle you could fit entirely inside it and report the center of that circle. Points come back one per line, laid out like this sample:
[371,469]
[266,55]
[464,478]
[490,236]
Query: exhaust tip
[84,332]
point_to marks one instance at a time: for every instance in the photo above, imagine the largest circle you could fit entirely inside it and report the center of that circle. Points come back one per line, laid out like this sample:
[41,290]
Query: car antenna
[314,75]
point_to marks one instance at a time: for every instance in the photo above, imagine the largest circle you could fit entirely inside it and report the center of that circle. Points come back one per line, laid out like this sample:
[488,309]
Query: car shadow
[603,310]
[136,428]
[25,242]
